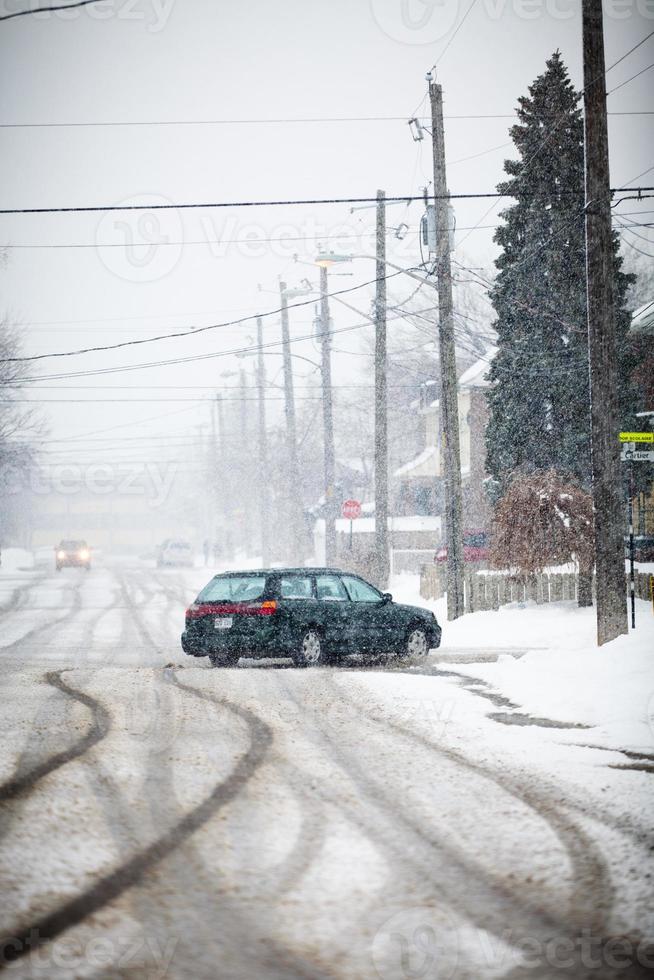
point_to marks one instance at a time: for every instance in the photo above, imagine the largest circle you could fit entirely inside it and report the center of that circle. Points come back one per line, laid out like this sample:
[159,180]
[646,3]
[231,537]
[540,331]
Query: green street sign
[637,437]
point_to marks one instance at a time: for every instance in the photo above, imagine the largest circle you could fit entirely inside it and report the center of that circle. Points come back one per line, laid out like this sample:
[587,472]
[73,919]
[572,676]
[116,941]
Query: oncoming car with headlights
[75,554]
[312,615]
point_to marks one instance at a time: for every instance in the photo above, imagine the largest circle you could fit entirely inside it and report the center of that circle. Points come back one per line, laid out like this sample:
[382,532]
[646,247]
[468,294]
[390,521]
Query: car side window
[295,587]
[360,591]
[330,588]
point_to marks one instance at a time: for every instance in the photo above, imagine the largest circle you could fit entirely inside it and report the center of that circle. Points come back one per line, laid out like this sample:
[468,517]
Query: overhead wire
[30,11]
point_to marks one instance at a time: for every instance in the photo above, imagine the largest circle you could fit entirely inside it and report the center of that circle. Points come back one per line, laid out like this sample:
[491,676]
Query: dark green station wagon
[313,615]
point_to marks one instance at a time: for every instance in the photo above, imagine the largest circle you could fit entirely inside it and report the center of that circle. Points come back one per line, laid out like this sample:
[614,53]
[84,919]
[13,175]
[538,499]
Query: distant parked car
[175,553]
[643,547]
[75,554]
[475,547]
[312,615]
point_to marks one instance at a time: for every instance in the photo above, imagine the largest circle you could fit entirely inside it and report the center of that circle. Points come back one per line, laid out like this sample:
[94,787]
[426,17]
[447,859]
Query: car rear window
[233,588]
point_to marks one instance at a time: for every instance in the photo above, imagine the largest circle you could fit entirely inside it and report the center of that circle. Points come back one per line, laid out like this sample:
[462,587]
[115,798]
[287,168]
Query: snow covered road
[273,822]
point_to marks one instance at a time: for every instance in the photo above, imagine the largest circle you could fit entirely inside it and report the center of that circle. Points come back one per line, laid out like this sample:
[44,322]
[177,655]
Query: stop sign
[351,510]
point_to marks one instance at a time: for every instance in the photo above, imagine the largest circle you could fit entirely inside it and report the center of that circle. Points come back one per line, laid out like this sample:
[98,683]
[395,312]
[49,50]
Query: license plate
[222,622]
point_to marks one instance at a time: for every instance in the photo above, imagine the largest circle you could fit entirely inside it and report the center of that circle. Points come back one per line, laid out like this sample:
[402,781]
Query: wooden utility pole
[449,408]
[381,403]
[328,421]
[264,479]
[295,495]
[611,602]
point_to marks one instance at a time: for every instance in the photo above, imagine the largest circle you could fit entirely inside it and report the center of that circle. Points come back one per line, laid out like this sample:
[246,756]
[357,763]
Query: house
[419,487]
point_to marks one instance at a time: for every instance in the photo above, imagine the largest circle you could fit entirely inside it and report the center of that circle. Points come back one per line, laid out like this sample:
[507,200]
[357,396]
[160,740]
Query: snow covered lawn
[557,672]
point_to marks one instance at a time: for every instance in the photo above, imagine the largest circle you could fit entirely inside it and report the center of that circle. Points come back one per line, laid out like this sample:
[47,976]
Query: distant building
[419,482]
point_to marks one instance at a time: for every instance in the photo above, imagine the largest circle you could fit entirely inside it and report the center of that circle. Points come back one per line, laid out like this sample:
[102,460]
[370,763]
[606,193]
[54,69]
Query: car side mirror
[387,597]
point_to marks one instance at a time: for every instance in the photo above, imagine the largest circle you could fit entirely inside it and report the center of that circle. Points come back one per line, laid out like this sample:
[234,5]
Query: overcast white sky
[249,60]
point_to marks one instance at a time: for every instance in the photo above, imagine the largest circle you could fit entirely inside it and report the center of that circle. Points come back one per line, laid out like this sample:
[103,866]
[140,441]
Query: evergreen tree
[540,401]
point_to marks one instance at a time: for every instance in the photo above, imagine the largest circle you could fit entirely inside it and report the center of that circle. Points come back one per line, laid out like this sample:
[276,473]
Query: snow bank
[16,560]
[557,671]
[610,688]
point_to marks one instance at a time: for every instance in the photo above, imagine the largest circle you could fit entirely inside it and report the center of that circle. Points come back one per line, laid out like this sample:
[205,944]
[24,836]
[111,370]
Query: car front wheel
[311,652]
[417,643]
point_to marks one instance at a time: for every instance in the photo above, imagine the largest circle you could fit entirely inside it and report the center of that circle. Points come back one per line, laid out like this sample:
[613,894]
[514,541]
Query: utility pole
[295,494]
[264,510]
[447,354]
[243,481]
[610,602]
[381,402]
[327,421]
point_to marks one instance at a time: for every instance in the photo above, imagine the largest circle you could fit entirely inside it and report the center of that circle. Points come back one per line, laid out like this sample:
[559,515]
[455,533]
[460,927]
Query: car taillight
[266,608]
[197,610]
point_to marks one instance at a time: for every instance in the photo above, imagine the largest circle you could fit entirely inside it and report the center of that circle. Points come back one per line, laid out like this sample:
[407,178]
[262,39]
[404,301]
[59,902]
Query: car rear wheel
[224,659]
[416,643]
[311,652]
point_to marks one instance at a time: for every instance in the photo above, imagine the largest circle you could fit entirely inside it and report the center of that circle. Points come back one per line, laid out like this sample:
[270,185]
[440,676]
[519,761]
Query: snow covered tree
[539,402]
[543,520]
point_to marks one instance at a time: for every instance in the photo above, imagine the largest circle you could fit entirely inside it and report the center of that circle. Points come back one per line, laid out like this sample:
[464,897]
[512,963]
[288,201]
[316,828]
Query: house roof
[419,466]
[475,375]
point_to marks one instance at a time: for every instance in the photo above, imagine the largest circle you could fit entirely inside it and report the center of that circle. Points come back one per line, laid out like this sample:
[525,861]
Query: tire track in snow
[20,784]
[593,888]
[70,613]
[131,872]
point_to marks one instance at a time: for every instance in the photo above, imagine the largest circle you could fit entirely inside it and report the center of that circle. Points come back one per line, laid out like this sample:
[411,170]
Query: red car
[475,547]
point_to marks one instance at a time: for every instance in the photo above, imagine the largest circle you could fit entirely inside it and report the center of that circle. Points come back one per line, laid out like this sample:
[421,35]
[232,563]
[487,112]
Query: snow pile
[610,688]
[16,560]
[557,671]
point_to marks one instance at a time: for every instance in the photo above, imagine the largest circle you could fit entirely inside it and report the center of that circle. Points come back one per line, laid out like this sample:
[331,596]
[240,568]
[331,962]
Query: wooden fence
[490,590]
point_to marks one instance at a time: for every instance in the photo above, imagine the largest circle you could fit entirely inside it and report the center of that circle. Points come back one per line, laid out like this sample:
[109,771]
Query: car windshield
[233,588]
[72,545]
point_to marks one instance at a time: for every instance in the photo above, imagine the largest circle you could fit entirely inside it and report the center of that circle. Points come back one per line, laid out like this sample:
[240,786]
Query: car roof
[286,571]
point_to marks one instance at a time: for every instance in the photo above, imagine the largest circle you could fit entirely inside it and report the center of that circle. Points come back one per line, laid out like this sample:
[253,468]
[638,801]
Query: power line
[84,124]
[194,331]
[456,31]
[234,241]
[228,204]
[269,204]
[179,360]
[626,82]
[41,10]
[630,51]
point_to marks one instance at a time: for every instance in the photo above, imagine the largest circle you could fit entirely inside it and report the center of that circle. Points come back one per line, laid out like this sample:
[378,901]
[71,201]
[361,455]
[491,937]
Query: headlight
[83,554]
[61,554]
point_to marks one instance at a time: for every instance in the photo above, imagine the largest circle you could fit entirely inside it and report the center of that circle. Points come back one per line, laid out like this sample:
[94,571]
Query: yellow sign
[637,437]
